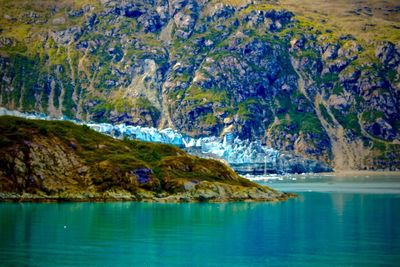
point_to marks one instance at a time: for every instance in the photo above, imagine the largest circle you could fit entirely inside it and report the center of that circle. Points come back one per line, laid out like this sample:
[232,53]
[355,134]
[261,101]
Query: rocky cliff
[253,68]
[45,161]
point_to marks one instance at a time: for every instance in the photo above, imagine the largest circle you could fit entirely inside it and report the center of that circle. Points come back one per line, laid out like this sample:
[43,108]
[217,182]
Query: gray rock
[331,52]
[66,36]
[132,10]
[185,24]
[382,129]
[388,54]
[79,12]
[150,22]
[91,22]
[222,12]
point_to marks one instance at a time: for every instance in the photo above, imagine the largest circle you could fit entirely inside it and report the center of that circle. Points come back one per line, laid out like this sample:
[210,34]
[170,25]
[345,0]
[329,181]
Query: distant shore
[340,173]
[362,172]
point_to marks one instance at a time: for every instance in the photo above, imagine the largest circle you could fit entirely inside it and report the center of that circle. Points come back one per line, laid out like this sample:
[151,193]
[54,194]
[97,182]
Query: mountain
[319,79]
[53,160]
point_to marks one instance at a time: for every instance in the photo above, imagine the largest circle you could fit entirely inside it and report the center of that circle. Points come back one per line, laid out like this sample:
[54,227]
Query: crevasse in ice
[231,149]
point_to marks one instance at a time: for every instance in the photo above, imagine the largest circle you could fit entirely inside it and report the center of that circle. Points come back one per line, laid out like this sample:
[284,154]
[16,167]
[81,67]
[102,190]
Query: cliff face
[208,68]
[42,160]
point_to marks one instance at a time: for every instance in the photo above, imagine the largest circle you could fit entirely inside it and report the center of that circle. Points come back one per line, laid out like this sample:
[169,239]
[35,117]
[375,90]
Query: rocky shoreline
[204,192]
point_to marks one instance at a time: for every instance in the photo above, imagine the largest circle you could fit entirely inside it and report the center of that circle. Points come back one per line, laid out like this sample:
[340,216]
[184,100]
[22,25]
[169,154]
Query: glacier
[244,156]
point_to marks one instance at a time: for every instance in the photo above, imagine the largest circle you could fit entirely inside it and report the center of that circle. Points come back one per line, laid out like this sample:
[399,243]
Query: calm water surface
[333,222]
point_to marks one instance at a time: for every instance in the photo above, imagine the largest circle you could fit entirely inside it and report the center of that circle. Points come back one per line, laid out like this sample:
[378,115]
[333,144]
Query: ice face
[228,148]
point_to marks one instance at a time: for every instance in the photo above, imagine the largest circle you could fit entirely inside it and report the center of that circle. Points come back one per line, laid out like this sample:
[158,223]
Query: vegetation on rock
[56,160]
[317,78]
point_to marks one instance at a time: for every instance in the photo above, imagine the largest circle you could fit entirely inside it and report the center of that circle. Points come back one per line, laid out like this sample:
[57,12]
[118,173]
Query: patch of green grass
[58,56]
[337,89]
[348,121]
[325,114]
[327,78]
[309,123]
[145,104]
[209,119]
[202,96]
[392,75]
[218,54]
[372,115]
[102,106]
[311,54]
[380,146]
[299,121]
[244,111]
[25,77]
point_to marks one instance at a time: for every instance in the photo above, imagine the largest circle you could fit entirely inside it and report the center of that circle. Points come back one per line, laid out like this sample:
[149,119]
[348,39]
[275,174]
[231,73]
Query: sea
[336,220]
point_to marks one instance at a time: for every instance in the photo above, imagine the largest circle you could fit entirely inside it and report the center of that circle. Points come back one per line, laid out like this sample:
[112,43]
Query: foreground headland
[61,161]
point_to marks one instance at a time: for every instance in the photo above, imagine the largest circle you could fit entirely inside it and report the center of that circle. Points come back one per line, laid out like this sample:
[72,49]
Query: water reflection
[365,183]
[318,228]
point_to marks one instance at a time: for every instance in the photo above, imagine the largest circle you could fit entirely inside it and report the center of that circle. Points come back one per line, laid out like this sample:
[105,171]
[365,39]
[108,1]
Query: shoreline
[339,173]
[343,175]
[176,198]
[365,172]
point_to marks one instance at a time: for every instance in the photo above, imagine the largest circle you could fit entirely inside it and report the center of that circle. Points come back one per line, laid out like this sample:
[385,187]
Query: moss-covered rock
[56,161]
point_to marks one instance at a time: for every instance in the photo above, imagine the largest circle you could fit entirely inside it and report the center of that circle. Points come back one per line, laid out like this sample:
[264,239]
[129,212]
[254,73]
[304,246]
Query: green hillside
[53,160]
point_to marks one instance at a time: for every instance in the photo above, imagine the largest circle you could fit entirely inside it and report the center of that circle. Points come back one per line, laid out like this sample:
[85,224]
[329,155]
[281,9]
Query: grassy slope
[369,20]
[111,162]
[15,21]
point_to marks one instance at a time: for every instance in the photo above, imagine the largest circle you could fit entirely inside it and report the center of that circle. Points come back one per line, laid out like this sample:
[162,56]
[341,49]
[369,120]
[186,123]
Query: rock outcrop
[60,161]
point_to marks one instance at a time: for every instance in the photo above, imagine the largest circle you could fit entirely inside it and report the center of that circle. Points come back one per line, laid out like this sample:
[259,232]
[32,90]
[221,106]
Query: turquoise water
[333,227]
